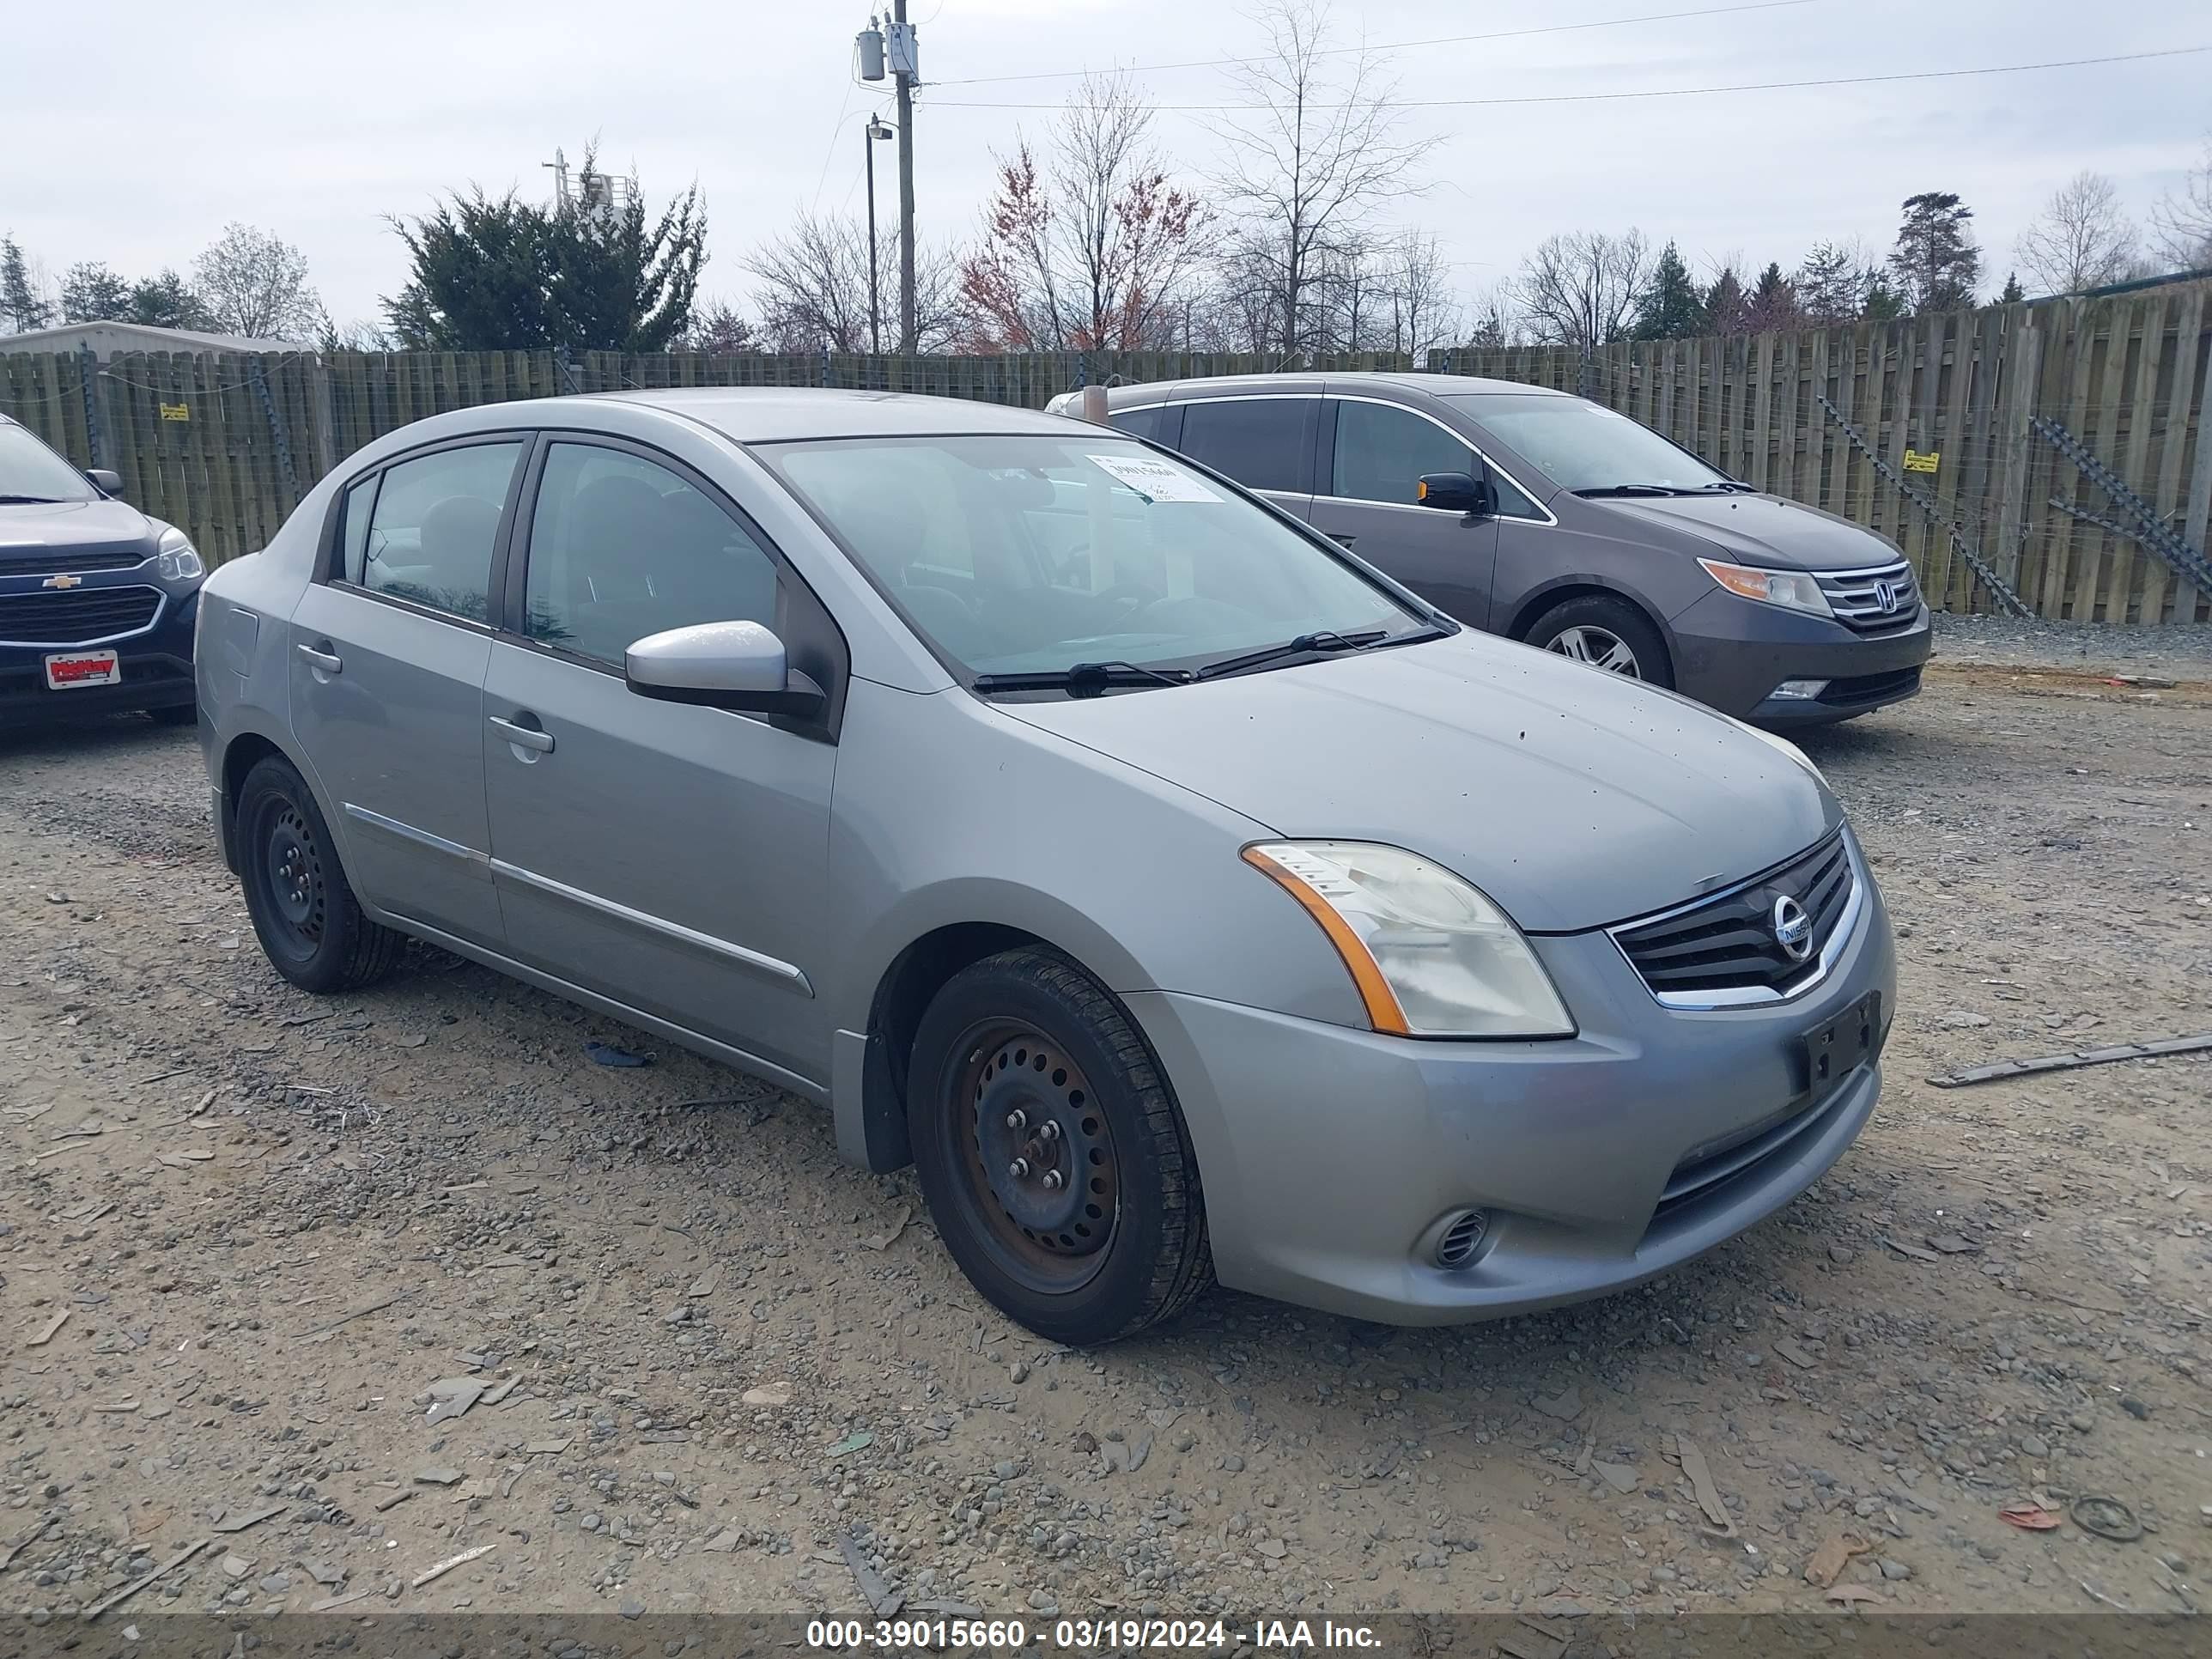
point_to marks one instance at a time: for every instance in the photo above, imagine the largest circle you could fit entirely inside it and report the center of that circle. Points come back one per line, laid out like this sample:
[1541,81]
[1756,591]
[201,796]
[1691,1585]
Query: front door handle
[525,736]
[329,661]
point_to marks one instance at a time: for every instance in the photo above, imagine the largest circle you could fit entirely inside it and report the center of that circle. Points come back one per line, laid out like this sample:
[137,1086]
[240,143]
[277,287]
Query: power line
[1658,92]
[1395,46]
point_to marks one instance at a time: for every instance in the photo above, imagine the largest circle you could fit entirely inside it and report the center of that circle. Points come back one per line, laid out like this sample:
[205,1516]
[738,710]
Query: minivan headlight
[176,559]
[1431,954]
[1793,590]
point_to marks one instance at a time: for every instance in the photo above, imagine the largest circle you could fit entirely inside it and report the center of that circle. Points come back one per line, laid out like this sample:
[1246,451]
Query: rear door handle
[528,737]
[328,661]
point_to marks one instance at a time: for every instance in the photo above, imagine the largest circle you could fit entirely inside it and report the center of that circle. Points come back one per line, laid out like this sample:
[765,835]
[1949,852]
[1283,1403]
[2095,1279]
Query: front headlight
[1793,590]
[176,558]
[1431,954]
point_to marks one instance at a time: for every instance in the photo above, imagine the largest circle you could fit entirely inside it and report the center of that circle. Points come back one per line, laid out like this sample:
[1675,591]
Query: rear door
[1263,441]
[387,667]
[1373,454]
[672,858]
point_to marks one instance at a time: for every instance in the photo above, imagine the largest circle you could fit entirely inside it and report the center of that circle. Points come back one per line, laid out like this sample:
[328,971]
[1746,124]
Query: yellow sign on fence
[1917,462]
[176,412]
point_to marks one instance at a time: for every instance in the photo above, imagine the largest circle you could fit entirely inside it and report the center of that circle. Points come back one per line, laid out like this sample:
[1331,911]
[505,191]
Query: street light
[877,128]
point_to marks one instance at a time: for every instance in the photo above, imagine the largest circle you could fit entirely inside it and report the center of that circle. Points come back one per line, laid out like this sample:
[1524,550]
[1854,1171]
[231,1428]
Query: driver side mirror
[106,483]
[724,665]
[1457,492]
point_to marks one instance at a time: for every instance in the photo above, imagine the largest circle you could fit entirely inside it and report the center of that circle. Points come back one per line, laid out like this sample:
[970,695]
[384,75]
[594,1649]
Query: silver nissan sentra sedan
[1183,898]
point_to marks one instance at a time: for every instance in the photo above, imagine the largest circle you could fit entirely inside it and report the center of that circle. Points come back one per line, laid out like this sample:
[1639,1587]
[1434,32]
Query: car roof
[1294,383]
[775,414]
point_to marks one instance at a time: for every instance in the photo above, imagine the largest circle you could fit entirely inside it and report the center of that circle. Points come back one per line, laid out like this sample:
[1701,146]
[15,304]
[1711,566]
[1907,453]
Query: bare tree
[1580,288]
[1494,319]
[2181,224]
[1424,314]
[2080,239]
[814,286]
[1321,151]
[255,284]
[1094,248]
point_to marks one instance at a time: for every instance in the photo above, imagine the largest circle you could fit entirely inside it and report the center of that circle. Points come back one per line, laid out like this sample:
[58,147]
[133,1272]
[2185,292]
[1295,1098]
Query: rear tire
[1056,1164]
[1611,634]
[311,926]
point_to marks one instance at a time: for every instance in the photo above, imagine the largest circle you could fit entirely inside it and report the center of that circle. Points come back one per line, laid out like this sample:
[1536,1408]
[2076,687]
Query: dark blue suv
[97,600]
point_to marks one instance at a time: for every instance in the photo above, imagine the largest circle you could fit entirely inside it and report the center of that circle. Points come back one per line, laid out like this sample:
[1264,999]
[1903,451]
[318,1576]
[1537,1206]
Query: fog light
[1797,690]
[1461,1237]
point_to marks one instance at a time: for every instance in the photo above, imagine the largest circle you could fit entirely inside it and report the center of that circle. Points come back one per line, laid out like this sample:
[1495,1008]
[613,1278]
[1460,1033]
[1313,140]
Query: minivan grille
[1727,942]
[1877,601]
[77,617]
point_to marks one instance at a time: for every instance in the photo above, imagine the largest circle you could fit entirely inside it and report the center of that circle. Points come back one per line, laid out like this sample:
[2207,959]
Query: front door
[387,667]
[1365,500]
[672,858]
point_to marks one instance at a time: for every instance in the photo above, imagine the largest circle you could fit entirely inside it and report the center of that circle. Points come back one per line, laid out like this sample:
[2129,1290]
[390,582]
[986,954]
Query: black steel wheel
[311,926]
[1056,1164]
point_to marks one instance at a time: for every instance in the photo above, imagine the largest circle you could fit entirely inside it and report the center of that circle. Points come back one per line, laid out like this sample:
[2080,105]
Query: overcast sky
[134,137]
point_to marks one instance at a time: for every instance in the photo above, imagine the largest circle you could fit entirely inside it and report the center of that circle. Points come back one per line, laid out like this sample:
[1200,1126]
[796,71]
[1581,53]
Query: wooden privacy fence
[1949,433]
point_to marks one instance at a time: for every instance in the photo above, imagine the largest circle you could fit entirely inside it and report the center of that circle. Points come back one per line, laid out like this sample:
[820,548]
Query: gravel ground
[2180,654]
[249,1241]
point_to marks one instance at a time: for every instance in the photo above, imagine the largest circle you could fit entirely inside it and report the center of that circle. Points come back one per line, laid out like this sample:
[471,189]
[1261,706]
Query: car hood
[1764,529]
[1573,798]
[30,529]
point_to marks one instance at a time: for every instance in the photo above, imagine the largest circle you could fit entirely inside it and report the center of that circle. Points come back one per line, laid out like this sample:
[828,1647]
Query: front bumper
[157,665]
[1329,1156]
[1730,653]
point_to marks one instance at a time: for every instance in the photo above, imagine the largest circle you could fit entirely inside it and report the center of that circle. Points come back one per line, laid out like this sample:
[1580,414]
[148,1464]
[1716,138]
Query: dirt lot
[268,1225]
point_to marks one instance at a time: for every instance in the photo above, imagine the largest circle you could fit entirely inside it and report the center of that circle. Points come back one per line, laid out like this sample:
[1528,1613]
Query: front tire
[1611,634]
[311,926]
[1056,1162]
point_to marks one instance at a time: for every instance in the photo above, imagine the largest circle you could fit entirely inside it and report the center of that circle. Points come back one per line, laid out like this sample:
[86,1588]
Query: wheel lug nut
[1019,1168]
[1052,1180]
[1018,1120]
[1049,1130]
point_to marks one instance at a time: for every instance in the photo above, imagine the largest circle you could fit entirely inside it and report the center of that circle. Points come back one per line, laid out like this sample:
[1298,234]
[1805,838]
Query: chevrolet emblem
[65,583]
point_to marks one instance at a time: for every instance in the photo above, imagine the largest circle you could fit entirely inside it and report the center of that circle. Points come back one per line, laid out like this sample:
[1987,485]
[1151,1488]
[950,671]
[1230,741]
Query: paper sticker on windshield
[1155,480]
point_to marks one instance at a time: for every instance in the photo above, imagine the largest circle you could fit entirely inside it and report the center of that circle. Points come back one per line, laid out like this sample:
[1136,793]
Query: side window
[435,522]
[1383,450]
[1137,422]
[358,500]
[621,547]
[1259,442]
[1511,503]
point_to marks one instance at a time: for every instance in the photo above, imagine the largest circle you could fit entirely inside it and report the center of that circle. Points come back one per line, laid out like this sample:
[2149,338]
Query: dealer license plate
[68,670]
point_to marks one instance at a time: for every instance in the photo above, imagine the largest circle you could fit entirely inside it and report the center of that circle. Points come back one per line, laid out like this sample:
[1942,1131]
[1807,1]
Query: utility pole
[905,62]
[875,129]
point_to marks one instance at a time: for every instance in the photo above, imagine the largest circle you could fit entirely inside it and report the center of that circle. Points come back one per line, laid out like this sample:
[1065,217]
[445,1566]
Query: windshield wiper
[30,500]
[1324,640]
[1083,680]
[1630,489]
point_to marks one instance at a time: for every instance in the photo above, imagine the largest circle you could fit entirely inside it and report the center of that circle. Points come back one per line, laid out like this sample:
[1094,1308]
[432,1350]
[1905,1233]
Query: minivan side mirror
[1457,492]
[106,483]
[722,665]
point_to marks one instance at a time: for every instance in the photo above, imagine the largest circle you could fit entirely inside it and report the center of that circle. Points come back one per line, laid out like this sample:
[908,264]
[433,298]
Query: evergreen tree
[1773,304]
[1884,302]
[1830,284]
[1726,306]
[1669,308]
[168,302]
[93,293]
[20,307]
[2014,293]
[1936,262]
[506,275]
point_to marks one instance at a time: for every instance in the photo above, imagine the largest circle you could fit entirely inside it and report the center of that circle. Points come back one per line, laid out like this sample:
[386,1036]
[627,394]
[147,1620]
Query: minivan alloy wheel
[1599,648]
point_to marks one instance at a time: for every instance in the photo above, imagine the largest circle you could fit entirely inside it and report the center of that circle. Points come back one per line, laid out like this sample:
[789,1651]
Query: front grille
[44,563]
[1871,688]
[80,617]
[1703,1170]
[1877,601]
[1727,942]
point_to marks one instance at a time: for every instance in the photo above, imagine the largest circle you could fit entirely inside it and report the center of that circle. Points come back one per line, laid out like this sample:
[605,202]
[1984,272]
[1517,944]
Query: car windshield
[1582,446]
[29,472]
[1015,554]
